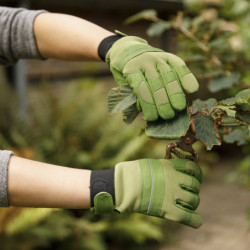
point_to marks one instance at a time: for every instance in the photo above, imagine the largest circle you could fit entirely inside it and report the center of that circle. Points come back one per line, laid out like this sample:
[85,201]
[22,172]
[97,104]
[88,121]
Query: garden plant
[68,125]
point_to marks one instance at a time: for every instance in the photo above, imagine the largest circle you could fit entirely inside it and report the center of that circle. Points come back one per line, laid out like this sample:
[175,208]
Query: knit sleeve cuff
[17,35]
[4,162]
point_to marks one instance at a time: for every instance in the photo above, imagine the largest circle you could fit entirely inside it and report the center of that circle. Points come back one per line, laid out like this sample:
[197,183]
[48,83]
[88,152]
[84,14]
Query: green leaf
[223,82]
[243,97]
[123,99]
[130,113]
[229,101]
[229,120]
[145,14]
[171,129]
[120,99]
[203,106]
[205,130]
[156,29]
[239,135]
[228,109]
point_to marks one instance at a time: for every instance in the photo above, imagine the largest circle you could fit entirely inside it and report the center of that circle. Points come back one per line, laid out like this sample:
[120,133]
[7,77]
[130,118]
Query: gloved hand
[161,188]
[157,78]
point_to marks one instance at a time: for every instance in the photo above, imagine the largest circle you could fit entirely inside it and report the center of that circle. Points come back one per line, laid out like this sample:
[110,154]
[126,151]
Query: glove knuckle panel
[161,96]
[145,93]
[173,87]
[163,67]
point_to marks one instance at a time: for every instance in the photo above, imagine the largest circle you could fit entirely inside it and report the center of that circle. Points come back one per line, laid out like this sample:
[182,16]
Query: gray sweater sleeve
[17,38]
[4,162]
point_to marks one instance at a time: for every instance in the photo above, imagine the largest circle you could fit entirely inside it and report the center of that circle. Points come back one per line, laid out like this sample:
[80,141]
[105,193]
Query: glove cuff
[106,44]
[102,191]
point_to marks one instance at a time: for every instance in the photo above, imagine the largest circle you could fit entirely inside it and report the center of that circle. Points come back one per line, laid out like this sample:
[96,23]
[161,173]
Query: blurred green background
[64,120]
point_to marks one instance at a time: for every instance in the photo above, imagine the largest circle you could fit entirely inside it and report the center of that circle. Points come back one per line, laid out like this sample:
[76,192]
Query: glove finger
[187,79]
[188,167]
[160,96]
[187,199]
[188,183]
[189,218]
[184,216]
[144,95]
[172,85]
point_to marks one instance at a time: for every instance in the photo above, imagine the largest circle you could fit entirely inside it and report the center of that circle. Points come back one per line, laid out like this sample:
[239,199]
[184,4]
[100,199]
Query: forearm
[67,37]
[36,184]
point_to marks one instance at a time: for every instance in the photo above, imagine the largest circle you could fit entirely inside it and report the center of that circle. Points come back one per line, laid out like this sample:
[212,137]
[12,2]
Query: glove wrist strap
[102,190]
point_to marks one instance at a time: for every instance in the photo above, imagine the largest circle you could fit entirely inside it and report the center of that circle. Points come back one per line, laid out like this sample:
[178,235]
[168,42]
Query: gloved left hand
[164,188]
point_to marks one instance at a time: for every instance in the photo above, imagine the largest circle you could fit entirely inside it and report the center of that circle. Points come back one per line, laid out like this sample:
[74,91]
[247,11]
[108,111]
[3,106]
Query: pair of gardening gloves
[164,188]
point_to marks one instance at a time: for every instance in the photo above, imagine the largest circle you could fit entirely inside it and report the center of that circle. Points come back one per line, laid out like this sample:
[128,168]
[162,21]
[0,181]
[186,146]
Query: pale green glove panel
[156,77]
[162,188]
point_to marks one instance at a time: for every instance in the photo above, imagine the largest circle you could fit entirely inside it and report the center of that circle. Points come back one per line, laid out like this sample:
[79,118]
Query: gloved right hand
[158,78]
[163,188]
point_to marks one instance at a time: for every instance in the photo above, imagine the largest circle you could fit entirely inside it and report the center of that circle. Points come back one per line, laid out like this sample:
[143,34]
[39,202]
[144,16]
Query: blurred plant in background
[69,125]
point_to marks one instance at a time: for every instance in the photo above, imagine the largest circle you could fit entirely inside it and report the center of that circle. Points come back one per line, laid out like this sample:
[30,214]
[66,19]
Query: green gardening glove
[161,188]
[157,78]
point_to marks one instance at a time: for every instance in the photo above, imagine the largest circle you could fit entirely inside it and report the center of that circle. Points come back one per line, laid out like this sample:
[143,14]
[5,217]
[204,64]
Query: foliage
[208,118]
[206,39]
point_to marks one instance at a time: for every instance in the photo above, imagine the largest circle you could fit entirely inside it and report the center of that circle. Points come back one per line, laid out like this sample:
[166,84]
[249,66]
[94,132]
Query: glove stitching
[152,183]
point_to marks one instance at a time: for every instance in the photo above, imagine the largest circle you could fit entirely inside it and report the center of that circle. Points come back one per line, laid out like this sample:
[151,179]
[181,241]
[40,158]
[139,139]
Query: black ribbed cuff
[102,181]
[106,44]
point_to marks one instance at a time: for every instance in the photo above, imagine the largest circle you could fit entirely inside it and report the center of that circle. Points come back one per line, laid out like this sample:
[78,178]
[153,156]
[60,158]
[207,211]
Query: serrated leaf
[171,129]
[203,106]
[205,130]
[229,120]
[145,14]
[239,135]
[120,99]
[228,109]
[243,97]
[229,101]
[156,29]
[223,82]
[130,113]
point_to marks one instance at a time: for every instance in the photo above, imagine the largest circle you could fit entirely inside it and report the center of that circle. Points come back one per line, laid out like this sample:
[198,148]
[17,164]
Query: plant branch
[231,125]
[179,26]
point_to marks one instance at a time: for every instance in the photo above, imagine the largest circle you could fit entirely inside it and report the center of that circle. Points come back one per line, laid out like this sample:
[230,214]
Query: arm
[38,34]
[68,37]
[163,188]
[36,184]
